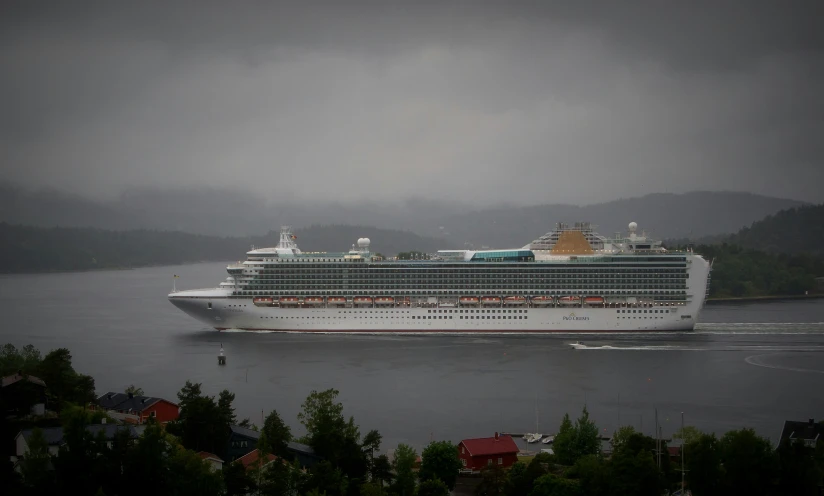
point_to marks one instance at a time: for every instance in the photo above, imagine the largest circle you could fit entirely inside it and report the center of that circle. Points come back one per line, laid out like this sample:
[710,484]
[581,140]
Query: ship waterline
[570,280]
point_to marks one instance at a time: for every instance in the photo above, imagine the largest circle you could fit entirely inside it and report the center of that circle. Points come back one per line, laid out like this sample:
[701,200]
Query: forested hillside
[38,249]
[741,272]
[794,230]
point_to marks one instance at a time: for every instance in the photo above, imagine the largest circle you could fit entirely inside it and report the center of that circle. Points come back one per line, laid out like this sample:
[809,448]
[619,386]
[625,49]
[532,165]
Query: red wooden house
[476,454]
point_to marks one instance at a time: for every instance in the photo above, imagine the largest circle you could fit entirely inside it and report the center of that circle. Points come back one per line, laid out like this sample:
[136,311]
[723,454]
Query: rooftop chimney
[496,436]
[812,422]
[131,395]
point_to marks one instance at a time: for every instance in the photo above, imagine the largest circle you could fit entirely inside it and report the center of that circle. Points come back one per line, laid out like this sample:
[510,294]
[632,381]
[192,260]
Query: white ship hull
[226,313]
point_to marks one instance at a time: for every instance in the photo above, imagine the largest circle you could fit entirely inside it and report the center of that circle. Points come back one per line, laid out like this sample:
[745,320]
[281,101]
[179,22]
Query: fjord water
[746,365]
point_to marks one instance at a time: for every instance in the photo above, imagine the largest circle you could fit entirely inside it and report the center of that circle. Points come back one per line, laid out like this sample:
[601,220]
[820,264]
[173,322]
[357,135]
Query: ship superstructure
[569,280]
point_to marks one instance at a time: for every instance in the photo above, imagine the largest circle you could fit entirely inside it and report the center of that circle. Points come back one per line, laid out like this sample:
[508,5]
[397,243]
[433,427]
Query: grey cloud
[481,102]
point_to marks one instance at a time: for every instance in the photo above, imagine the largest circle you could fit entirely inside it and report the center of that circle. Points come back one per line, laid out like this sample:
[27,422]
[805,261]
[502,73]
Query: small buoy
[221,358]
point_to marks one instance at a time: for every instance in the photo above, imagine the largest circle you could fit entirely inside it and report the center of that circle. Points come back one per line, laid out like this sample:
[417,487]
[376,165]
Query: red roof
[490,446]
[250,459]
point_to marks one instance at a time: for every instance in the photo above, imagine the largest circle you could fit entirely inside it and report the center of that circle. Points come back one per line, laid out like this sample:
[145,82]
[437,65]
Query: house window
[462,450]
[153,414]
[463,462]
[500,461]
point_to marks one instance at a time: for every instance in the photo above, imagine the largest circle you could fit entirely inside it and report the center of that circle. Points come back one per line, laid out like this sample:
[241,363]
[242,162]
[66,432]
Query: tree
[203,425]
[325,426]
[493,481]
[587,440]
[440,460]
[750,465]
[620,436]
[687,434]
[517,483]
[553,485]
[382,470]
[564,444]
[592,473]
[799,472]
[236,480]
[573,442]
[37,478]
[134,391]
[224,405]
[277,434]
[433,487]
[403,465]
[635,474]
[63,384]
[704,465]
[281,478]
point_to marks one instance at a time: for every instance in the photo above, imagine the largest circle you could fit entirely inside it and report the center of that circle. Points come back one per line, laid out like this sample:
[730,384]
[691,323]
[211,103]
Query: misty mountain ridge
[232,213]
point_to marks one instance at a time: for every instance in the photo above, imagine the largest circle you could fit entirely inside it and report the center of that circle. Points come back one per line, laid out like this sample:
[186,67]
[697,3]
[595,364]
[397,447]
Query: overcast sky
[483,102]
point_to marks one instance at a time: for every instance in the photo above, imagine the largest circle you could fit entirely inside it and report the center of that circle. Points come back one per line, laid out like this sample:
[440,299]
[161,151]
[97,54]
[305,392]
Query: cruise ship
[569,280]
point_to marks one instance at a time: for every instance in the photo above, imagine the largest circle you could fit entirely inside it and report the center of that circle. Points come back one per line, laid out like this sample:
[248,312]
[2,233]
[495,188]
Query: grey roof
[300,448]
[54,435]
[243,431]
[136,404]
[110,400]
[802,430]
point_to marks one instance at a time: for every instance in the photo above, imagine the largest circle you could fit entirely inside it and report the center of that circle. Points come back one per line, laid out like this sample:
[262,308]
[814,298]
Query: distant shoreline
[104,269]
[749,299]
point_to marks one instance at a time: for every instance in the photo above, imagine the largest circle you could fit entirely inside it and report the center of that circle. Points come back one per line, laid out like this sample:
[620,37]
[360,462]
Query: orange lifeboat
[288,301]
[313,300]
[469,300]
[594,300]
[264,301]
[514,300]
[491,300]
[384,300]
[569,300]
[363,300]
[541,300]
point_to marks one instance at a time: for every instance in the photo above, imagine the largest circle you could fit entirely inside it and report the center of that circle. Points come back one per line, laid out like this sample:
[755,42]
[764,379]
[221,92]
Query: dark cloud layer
[482,102]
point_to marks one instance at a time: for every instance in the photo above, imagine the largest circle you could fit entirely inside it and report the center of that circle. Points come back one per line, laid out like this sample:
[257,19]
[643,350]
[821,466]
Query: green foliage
[204,423]
[573,442]
[794,230]
[381,470]
[439,460]
[63,383]
[553,485]
[13,360]
[37,478]
[517,482]
[493,481]
[750,464]
[592,473]
[237,480]
[403,465]
[135,391]
[800,472]
[72,413]
[635,474]
[433,487]
[703,464]
[619,438]
[280,478]
[688,434]
[743,272]
[277,434]
[332,437]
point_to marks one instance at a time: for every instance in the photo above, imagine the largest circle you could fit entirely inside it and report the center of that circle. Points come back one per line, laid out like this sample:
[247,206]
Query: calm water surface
[751,365]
